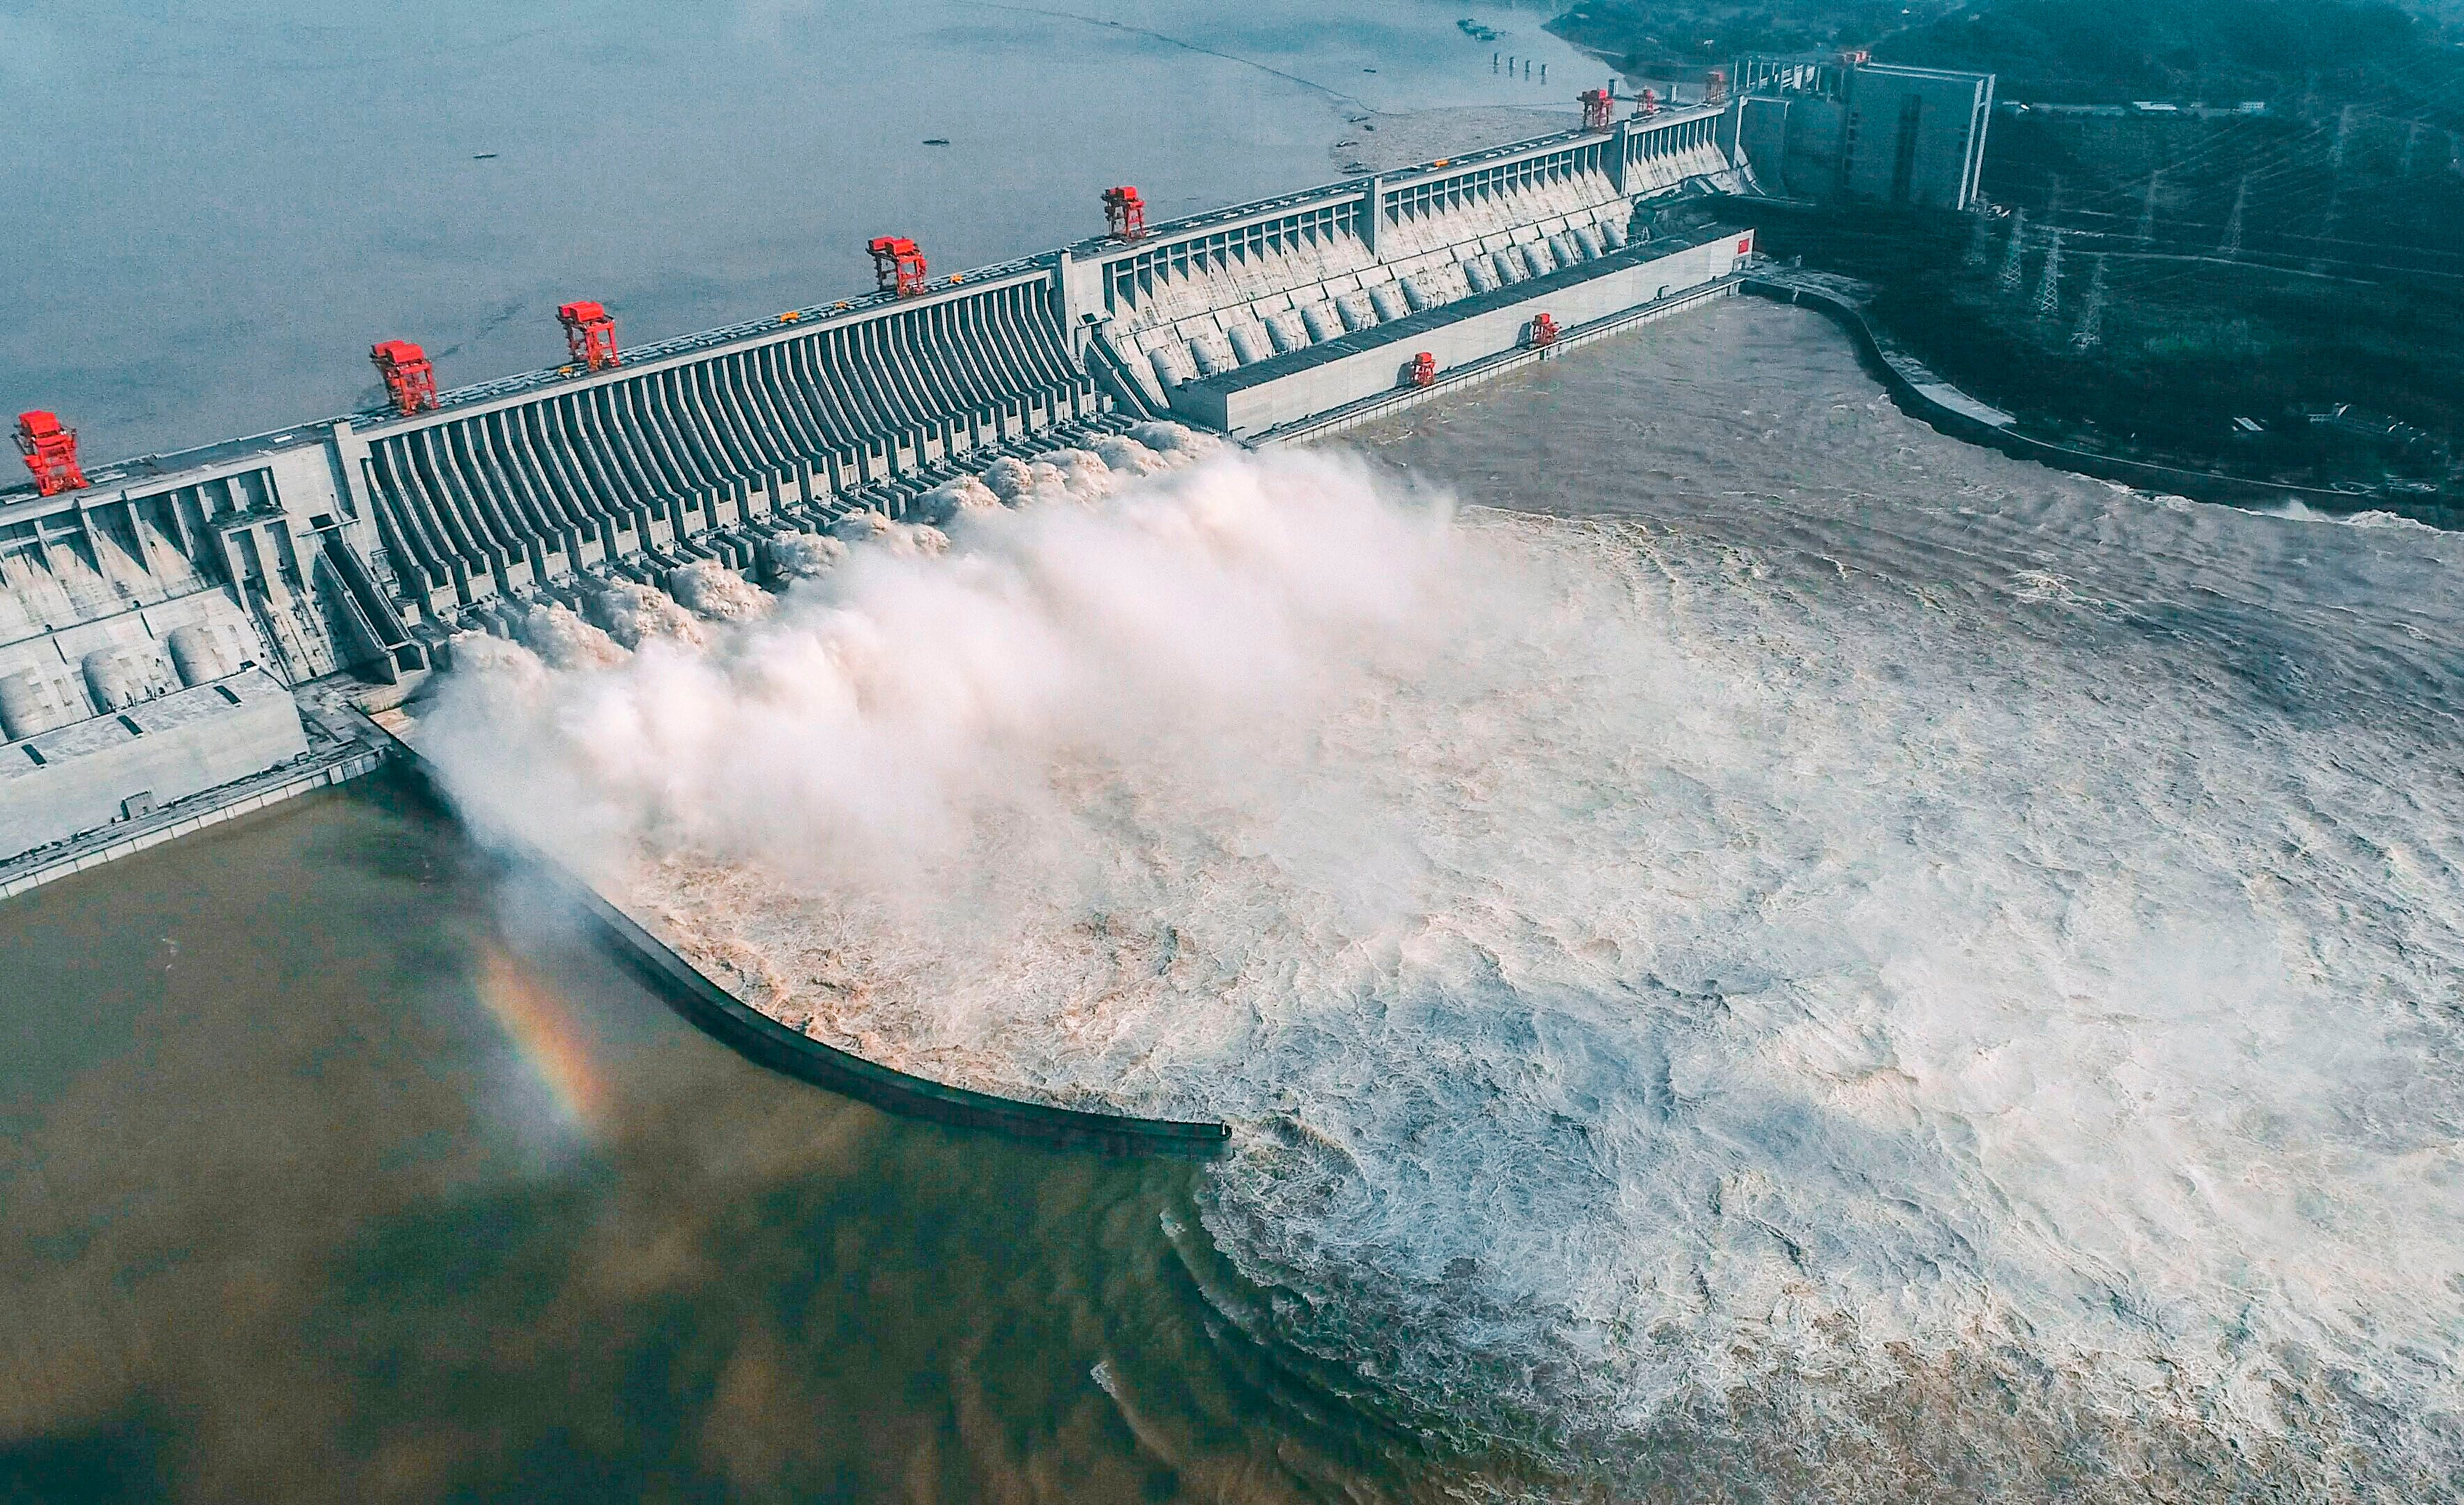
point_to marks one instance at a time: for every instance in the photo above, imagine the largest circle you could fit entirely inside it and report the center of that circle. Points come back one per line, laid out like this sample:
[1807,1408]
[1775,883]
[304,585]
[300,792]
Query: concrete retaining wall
[766,1042]
[1372,409]
[123,766]
[1277,394]
[227,803]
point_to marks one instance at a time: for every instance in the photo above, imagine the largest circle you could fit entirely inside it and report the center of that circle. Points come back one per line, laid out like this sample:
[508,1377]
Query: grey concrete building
[1863,132]
[125,763]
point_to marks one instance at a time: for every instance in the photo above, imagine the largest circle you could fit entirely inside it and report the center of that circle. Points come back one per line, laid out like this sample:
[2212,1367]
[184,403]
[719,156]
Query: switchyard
[366,543]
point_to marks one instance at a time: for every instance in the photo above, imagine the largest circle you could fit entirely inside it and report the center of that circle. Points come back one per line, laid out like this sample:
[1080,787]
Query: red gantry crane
[1126,212]
[590,334]
[1600,105]
[409,381]
[897,264]
[51,452]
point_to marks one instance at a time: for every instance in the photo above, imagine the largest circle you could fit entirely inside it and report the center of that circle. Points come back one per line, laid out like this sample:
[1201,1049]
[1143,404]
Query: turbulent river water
[1750,950]
[1766,930]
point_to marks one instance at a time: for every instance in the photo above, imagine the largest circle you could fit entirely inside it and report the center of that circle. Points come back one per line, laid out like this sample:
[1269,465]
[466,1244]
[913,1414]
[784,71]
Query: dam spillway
[365,541]
[359,547]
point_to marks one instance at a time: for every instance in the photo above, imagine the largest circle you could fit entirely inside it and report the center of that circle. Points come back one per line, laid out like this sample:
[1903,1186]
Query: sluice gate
[492,497]
[367,542]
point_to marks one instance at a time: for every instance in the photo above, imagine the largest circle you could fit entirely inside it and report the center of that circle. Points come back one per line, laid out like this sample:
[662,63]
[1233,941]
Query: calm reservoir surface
[210,214]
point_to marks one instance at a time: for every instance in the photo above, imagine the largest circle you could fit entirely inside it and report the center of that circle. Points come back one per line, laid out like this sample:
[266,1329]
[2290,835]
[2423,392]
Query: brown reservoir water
[338,1168]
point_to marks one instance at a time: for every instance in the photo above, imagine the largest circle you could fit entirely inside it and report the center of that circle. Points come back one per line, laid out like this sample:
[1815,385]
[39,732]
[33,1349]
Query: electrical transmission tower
[2049,283]
[1980,243]
[2147,210]
[2231,249]
[2013,273]
[2090,333]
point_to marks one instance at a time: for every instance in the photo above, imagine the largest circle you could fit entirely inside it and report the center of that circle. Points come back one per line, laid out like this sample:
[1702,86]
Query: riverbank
[2262,368]
[1923,394]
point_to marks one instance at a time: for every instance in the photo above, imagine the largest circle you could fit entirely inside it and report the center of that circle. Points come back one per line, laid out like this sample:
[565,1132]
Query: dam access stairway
[366,544]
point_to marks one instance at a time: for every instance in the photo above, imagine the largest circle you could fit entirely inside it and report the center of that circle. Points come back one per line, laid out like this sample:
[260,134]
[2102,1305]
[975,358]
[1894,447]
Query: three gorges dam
[185,636]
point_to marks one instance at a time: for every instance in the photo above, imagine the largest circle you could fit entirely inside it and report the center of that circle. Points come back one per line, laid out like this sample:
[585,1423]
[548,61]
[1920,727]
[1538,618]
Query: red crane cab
[50,449]
[409,381]
[590,334]
[897,264]
[1126,213]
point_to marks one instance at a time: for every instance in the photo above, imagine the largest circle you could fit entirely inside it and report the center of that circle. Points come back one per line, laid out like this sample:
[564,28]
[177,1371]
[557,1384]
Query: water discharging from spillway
[1869,966]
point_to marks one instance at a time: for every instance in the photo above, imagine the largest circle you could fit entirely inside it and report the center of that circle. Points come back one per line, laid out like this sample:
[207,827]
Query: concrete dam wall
[367,542]
[1247,285]
[503,494]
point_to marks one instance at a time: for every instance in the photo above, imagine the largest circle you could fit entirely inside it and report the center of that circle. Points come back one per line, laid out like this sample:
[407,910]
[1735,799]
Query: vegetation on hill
[2277,293]
[2264,369]
[2071,50]
[2284,50]
[1651,37]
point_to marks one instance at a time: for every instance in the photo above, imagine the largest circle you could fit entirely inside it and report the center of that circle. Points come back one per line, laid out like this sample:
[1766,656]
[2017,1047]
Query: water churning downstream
[1736,936]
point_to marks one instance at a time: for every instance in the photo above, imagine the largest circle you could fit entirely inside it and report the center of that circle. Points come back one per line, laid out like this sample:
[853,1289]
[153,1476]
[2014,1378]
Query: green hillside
[2097,50]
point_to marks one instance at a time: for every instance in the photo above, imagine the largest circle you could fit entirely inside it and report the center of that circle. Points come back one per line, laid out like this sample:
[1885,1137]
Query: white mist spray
[1626,976]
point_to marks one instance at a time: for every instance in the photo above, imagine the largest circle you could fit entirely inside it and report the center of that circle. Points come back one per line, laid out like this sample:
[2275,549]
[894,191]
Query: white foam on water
[634,614]
[494,666]
[1634,966]
[711,590]
[1085,475]
[805,556]
[562,640]
[877,530]
[1074,474]
[1128,456]
[1175,439]
[963,493]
